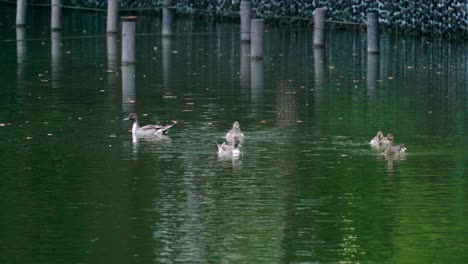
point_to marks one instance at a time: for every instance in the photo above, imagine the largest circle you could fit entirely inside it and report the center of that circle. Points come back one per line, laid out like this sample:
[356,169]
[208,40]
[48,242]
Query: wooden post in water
[245,15]
[112,12]
[373,33]
[319,27]
[56,15]
[256,39]
[20,13]
[128,40]
[168,18]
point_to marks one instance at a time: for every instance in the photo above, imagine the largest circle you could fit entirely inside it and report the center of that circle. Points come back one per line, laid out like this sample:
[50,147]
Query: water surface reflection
[307,188]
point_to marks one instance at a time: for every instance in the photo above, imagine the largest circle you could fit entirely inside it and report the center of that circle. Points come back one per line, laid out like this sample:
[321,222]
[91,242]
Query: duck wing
[224,148]
[156,127]
[151,127]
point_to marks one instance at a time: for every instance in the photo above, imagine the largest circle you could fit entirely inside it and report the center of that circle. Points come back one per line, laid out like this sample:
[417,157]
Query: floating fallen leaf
[50,134]
[429,112]
[79,118]
[101,91]
[299,121]
[28,138]
[145,114]
[113,135]
[2,124]
[190,103]
[263,121]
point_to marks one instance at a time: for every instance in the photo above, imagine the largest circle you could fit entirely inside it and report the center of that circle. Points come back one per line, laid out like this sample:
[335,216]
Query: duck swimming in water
[380,142]
[148,130]
[234,133]
[377,139]
[386,141]
[395,150]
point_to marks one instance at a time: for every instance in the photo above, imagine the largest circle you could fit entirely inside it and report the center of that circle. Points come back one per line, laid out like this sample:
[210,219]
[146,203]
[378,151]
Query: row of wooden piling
[252,29]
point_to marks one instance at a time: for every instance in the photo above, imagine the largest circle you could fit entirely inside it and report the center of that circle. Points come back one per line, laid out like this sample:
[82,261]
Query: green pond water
[308,188]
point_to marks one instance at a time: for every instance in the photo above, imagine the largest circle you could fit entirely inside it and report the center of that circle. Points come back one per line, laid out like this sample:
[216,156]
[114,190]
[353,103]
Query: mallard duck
[226,149]
[395,150]
[234,133]
[148,130]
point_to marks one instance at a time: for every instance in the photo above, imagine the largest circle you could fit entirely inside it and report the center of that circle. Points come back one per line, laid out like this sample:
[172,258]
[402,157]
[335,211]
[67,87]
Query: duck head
[379,135]
[132,117]
[390,137]
[235,124]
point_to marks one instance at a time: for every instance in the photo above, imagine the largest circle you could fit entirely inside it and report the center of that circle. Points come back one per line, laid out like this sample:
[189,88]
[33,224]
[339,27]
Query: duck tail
[402,148]
[166,127]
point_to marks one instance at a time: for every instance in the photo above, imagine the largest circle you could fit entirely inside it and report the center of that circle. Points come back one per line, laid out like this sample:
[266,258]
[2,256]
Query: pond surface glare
[307,188]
